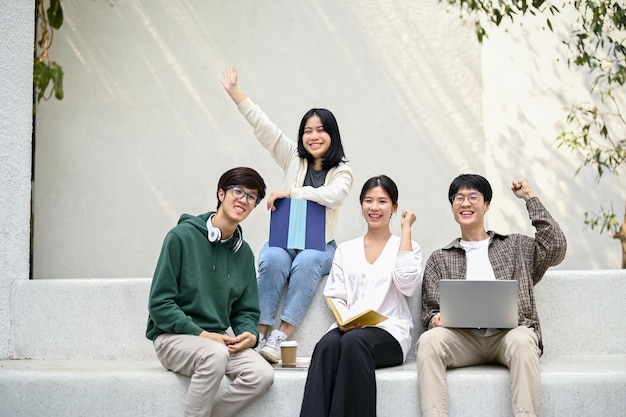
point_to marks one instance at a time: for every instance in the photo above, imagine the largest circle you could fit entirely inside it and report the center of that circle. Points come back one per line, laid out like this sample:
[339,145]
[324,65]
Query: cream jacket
[338,181]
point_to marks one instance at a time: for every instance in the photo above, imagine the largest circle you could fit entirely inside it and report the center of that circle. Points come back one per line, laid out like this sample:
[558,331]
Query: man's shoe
[271,350]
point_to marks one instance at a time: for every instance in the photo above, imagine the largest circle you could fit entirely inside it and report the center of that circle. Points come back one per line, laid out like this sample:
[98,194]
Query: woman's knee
[274,260]
[269,254]
[353,338]
[356,344]
[330,341]
[312,262]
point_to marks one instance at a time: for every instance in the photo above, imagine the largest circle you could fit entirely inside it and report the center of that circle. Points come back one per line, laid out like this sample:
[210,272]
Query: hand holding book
[346,318]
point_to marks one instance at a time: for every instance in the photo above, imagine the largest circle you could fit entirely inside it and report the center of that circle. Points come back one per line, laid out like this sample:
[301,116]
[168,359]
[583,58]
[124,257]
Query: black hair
[471,182]
[383,182]
[244,176]
[335,154]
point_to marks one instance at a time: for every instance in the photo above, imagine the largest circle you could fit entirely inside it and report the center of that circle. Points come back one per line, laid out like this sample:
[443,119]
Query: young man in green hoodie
[204,283]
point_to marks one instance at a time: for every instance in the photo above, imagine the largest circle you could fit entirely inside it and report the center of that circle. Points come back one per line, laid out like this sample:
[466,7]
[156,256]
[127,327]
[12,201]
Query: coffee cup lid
[289,343]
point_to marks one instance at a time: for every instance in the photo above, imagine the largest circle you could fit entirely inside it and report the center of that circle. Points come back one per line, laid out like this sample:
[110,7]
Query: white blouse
[382,286]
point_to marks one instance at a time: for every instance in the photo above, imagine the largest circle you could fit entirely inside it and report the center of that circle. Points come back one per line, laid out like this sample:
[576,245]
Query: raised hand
[521,188]
[229,82]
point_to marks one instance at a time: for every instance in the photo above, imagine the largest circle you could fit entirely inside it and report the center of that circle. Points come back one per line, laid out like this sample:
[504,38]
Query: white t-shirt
[479,269]
[478,266]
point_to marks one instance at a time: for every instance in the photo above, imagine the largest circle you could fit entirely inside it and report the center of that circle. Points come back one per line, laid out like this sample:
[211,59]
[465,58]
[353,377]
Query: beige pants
[206,362]
[441,348]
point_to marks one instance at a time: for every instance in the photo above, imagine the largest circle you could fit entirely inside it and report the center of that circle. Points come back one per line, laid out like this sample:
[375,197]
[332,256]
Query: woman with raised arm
[314,169]
[377,271]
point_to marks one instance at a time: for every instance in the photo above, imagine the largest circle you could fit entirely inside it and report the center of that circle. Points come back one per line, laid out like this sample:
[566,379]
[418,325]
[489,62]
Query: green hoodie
[199,285]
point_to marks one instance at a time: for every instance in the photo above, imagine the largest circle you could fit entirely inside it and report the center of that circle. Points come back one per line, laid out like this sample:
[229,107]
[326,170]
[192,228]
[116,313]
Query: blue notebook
[298,224]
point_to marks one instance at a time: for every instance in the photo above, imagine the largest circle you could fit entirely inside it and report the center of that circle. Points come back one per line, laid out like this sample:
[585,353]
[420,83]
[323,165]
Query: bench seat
[79,350]
[571,386]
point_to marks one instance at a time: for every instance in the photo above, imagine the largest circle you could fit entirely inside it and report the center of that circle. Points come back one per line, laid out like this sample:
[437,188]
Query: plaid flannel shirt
[513,256]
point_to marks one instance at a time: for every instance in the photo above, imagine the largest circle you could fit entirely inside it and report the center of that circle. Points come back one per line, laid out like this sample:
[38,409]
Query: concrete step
[106,318]
[571,386]
[79,350]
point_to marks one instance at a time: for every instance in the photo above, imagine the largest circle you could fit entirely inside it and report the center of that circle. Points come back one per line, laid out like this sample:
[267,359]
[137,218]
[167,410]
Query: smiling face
[377,207]
[316,140]
[236,209]
[469,215]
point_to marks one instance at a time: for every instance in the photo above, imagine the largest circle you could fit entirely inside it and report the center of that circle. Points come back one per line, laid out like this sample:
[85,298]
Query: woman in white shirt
[377,271]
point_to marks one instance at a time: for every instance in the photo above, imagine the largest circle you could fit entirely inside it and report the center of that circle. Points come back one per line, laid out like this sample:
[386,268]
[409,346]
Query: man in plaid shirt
[482,254]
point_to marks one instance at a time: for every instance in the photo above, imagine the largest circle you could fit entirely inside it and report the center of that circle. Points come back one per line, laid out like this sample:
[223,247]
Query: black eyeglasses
[238,193]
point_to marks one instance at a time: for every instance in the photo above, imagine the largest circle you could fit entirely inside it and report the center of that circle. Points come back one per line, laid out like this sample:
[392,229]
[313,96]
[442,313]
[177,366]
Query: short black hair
[385,183]
[244,176]
[335,154]
[472,182]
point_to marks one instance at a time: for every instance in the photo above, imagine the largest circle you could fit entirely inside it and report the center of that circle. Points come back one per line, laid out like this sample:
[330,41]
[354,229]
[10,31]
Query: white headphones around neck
[214,234]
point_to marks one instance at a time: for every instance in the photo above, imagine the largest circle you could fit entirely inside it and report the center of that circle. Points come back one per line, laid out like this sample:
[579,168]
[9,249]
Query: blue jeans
[302,268]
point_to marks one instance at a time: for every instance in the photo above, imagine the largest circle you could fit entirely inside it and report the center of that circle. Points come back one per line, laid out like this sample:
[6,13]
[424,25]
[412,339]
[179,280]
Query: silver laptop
[478,304]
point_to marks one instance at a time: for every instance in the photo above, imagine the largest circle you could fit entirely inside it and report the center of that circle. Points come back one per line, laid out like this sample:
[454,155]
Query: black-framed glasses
[238,193]
[473,197]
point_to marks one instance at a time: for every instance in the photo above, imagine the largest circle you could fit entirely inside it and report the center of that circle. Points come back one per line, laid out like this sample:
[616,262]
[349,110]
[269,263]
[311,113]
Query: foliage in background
[598,44]
[45,70]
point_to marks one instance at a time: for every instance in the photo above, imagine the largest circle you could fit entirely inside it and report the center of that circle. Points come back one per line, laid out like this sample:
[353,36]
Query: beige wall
[146,129]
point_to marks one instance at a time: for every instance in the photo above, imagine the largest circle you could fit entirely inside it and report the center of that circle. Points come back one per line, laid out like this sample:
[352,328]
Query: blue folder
[298,224]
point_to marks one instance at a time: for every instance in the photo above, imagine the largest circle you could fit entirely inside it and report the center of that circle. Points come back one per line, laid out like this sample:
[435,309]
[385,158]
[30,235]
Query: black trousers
[342,380]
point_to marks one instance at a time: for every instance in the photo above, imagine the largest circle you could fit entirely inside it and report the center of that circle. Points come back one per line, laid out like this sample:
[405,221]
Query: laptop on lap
[478,304]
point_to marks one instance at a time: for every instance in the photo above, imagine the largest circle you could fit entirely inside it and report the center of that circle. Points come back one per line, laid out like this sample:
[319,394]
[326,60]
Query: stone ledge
[571,386]
[106,318]
[108,368]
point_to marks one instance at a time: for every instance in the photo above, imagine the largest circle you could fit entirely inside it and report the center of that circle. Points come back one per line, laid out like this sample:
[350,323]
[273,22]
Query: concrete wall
[528,87]
[16,78]
[145,128]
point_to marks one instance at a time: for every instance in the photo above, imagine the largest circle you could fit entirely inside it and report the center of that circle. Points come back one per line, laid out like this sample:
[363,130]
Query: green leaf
[497,17]
[481,33]
[43,74]
[41,78]
[56,72]
[55,14]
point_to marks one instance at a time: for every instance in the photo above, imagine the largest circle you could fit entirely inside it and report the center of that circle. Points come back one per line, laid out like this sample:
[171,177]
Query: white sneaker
[271,350]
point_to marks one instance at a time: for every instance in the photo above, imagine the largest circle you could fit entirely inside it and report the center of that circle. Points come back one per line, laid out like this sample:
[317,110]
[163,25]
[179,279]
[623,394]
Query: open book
[342,314]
